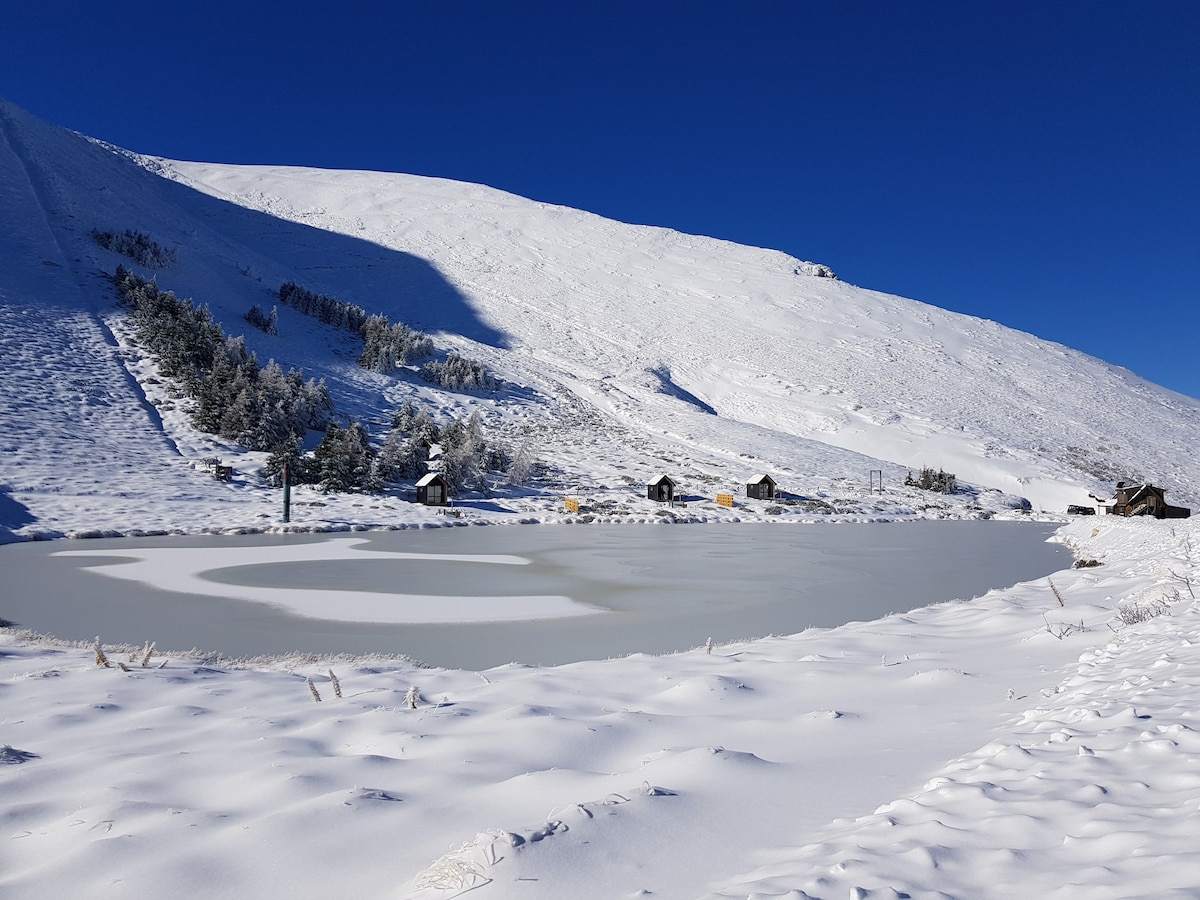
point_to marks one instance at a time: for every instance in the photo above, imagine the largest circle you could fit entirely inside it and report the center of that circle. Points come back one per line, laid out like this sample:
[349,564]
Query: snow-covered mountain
[1039,741]
[626,351]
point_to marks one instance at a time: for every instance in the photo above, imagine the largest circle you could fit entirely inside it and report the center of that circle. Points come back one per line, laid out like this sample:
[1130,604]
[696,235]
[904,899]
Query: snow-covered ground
[1009,746]
[1033,742]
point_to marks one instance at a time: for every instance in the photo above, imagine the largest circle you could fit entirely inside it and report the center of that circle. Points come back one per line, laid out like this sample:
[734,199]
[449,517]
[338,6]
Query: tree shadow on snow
[404,287]
[13,515]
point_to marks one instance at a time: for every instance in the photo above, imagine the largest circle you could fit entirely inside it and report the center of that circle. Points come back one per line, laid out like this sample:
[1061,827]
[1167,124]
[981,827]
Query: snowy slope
[626,350]
[633,317]
[1015,745]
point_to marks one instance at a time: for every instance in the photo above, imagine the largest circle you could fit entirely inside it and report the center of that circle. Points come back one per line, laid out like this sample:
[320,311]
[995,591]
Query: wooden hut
[1144,500]
[761,487]
[662,489]
[433,490]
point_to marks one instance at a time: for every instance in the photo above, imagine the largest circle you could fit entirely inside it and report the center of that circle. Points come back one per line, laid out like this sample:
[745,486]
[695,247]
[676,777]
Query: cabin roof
[660,479]
[429,479]
[759,479]
[1142,489]
[1137,490]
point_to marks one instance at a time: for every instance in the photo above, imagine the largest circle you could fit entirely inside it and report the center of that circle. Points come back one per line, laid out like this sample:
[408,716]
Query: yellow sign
[725,500]
[572,505]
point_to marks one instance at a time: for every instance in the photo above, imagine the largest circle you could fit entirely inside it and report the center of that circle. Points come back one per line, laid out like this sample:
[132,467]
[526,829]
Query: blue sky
[1033,163]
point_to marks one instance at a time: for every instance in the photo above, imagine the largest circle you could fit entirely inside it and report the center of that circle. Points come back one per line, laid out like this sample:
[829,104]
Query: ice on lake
[479,597]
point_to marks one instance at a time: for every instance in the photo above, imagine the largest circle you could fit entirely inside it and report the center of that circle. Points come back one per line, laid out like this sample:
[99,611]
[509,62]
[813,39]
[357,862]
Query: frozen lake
[476,597]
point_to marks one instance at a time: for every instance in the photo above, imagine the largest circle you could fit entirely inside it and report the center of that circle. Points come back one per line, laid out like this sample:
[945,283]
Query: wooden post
[287,495]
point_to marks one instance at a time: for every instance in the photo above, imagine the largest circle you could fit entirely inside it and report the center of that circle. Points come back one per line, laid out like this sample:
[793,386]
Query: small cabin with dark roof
[662,489]
[433,490]
[761,487]
[1144,500]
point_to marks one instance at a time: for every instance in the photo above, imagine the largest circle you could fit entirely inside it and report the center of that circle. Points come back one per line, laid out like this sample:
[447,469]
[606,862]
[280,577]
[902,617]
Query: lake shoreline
[661,590]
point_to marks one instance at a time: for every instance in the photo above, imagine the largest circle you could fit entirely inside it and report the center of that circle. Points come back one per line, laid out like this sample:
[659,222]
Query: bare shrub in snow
[457,871]
[1186,577]
[1134,613]
[1057,595]
[1150,603]
[1061,629]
